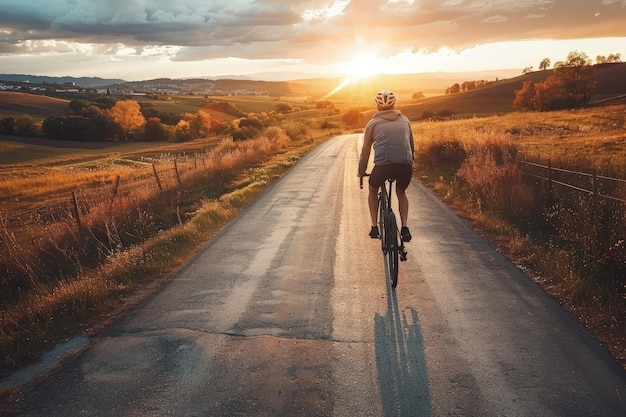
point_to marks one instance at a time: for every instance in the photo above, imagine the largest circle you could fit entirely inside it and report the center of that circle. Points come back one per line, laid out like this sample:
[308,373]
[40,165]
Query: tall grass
[575,243]
[56,284]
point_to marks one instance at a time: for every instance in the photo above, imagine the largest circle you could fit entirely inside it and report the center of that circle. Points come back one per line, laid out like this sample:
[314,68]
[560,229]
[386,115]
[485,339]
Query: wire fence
[148,175]
[597,186]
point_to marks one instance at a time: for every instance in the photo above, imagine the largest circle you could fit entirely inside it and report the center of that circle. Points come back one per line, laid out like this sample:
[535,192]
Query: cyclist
[390,133]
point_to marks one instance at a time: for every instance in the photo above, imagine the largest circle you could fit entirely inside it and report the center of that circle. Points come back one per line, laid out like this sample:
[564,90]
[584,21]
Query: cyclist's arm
[365,152]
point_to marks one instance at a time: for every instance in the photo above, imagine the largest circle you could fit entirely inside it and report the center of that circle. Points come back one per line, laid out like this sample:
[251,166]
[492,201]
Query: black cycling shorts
[402,173]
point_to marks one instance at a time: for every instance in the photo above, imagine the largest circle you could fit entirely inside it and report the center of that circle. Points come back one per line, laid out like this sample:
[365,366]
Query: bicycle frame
[391,239]
[386,211]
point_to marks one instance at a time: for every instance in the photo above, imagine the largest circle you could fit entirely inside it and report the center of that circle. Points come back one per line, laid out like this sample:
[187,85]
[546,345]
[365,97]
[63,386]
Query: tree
[183,131]
[550,95]
[78,105]
[251,122]
[577,77]
[570,86]
[155,130]
[525,97]
[7,125]
[455,89]
[205,122]
[419,95]
[544,64]
[612,58]
[25,126]
[127,114]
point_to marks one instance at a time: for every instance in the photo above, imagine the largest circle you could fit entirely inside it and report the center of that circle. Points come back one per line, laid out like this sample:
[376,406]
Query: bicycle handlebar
[361,179]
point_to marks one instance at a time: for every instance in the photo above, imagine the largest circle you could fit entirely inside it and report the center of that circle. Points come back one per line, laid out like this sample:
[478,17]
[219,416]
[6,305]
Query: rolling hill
[497,98]
[17,104]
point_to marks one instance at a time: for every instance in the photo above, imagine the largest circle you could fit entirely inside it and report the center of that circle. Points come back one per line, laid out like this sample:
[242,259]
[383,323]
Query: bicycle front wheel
[391,237]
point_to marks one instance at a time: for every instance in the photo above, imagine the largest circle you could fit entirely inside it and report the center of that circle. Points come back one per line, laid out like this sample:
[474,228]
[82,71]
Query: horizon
[183,39]
[283,76]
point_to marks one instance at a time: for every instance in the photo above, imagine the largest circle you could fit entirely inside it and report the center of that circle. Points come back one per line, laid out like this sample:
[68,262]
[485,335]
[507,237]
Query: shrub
[353,118]
[239,135]
[444,156]
[276,134]
[250,122]
[296,130]
[497,182]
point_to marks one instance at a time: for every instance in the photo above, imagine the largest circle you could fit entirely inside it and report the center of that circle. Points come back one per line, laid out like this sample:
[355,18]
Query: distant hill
[497,98]
[91,82]
[404,84]
[18,104]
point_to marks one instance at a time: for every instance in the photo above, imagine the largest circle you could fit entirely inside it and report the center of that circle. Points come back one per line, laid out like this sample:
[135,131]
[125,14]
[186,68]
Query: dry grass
[64,281]
[574,246]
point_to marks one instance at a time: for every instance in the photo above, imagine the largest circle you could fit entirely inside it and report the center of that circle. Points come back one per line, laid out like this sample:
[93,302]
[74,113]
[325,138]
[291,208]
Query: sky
[145,39]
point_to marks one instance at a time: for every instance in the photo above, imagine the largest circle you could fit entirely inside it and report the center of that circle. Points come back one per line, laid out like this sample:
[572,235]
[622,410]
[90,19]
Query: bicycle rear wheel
[391,236]
[382,220]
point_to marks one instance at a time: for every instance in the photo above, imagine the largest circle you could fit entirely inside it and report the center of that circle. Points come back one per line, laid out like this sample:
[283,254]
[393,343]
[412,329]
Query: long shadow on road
[400,361]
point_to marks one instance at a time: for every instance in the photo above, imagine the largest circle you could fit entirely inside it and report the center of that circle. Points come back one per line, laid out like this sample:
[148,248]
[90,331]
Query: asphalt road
[287,313]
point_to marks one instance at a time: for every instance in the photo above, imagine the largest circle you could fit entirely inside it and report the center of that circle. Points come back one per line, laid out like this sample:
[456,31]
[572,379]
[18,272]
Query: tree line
[107,118]
[570,86]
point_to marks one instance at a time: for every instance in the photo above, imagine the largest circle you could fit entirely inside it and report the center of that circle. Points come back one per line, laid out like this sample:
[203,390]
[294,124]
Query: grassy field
[573,244]
[36,106]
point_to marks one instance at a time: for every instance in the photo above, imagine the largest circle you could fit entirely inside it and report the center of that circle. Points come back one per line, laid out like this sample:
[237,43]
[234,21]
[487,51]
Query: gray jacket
[391,135]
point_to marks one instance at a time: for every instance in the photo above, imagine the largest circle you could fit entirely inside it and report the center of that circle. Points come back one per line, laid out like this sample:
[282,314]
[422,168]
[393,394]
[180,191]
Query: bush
[497,182]
[353,118]
[296,130]
[251,122]
[444,156]
[239,135]
[7,125]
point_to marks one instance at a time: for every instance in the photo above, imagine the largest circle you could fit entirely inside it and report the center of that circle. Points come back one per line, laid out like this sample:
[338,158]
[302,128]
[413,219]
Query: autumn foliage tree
[127,115]
[570,86]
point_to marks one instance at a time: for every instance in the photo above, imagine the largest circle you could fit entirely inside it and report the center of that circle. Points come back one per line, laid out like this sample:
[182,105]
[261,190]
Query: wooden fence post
[549,184]
[115,189]
[177,173]
[158,180]
[77,213]
[594,190]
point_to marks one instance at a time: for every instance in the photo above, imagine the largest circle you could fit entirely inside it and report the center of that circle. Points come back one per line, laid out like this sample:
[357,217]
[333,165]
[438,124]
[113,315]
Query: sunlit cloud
[153,38]
[330,11]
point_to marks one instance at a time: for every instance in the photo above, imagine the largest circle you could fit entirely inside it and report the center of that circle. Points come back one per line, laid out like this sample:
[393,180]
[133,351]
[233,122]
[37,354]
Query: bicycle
[391,239]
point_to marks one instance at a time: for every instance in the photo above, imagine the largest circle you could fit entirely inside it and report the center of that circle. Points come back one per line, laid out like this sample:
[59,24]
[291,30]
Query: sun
[362,65]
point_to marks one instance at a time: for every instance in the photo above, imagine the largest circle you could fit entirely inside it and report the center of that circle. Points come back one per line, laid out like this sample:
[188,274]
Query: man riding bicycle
[390,133]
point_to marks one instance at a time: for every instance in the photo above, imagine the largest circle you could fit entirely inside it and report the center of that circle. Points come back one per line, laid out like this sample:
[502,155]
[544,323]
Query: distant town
[157,86]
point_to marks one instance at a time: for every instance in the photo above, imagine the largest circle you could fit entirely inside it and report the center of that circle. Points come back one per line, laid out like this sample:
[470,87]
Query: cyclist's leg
[403,205]
[403,179]
[375,181]
[372,200]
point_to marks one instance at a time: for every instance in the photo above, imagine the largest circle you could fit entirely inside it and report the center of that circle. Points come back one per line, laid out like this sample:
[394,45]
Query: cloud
[293,31]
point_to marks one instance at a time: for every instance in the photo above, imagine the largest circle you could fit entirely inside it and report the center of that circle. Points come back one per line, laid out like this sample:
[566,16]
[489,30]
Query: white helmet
[385,98]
